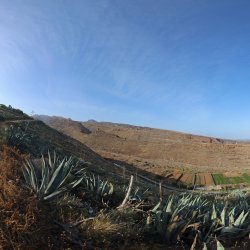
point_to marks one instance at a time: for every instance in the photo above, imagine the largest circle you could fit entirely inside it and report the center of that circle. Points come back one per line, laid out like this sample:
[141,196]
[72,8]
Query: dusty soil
[208,180]
[187,178]
[230,174]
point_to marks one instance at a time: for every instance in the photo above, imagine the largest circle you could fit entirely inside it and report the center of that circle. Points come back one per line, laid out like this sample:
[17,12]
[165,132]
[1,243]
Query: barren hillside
[35,137]
[159,151]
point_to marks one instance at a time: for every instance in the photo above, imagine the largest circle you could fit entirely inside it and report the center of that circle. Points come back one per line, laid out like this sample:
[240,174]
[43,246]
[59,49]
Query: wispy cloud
[169,62]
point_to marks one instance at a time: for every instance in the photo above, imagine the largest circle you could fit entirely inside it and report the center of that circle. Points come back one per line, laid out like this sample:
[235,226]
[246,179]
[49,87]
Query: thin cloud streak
[170,62]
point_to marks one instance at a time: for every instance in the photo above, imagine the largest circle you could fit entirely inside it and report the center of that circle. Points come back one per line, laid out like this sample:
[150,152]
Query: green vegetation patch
[221,179]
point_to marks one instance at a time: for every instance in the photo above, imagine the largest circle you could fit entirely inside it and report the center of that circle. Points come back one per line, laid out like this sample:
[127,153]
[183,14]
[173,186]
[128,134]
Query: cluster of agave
[207,221]
[16,136]
[137,194]
[184,217]
[53,178]
[98,187]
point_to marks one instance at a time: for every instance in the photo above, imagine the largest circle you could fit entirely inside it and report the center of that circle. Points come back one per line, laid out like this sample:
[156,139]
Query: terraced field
[196,179]
[207,179]
[188,179]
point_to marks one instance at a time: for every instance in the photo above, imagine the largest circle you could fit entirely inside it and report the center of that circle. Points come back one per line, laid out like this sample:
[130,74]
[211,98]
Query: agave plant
[99,187]
[172,219]
[226,222]
[53,178]
[222,222]
[137,193]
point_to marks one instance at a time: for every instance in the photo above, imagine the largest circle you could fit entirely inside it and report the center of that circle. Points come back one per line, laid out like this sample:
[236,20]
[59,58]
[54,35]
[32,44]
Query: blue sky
[182,65]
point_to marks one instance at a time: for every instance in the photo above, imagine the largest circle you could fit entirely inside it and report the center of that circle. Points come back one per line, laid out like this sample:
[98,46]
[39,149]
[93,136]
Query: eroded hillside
[162,152]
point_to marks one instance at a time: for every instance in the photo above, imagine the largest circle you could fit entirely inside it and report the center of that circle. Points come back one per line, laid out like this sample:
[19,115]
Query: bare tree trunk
[128,192]
[160,191]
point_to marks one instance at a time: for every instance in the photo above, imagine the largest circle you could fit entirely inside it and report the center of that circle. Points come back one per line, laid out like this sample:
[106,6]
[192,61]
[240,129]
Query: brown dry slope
[159,151]
[35,137]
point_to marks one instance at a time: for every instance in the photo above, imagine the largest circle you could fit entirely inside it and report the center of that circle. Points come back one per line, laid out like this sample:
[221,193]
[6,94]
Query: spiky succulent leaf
[59,175]
[240,220]
[219,245]
[51,180]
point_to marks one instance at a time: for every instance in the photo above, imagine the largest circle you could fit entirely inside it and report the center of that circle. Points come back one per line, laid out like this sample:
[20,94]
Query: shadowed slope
[35,137]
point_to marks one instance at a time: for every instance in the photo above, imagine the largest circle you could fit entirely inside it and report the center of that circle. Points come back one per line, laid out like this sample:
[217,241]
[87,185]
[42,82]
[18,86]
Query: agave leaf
[136,190]
[56,193]
[92,187]
[240,218]
[111,189]
[98,185]
[178,210]
[232,211]
[146,191]
[156,207]
[204,246]
[55,159]
[158,216]
[56,178]
[244,218]
[64,189]
[231,232]
[223,216]
[211,229]
[33,178]
[149,220]
[174,229]
[26,174]
[169,206]
[103,187]
[66,171]
[75,183]
[219,245]
[231,220]
[80,172]
[214,214]
[50,160]
[45,178]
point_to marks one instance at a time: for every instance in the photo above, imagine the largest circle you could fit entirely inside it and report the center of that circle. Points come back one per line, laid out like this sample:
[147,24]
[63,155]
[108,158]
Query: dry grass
[115,228]
[25,223]
[102,226]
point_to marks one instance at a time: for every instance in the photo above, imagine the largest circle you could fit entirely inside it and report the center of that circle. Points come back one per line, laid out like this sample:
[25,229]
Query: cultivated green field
[221,179]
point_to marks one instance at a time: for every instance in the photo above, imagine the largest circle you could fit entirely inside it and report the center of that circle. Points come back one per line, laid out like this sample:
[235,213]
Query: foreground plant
[100,188]
[172,219]
[197,220]
[53,177]
[226,222]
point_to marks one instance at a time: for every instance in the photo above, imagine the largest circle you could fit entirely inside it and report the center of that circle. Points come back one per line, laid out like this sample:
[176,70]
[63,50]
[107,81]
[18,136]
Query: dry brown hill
[162,152]
[35,137]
